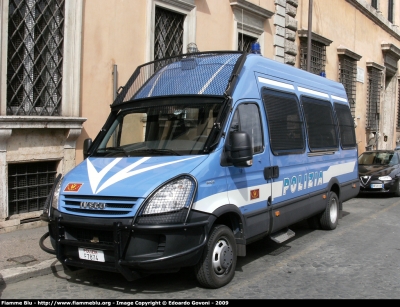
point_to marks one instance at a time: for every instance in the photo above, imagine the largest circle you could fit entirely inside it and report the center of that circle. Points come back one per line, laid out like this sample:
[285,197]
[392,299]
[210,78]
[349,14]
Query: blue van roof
[290,74]
[209,73]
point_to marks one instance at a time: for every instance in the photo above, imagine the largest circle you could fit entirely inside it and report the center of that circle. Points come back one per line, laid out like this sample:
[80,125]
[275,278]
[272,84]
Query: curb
[12,275]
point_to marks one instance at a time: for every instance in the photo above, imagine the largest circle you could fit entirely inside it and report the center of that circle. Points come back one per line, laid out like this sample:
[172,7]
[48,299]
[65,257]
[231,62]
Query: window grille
[373,95]
[347,76]
[245,41]
[168,33]
[285,122]
[346,126]
[29,184]
[320,124]
[374,4]
[318,56]
[34,58]
[390,11]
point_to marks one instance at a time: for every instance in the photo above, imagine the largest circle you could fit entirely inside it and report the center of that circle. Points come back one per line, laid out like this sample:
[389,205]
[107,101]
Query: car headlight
[170,199]
[385,178]
[56,194]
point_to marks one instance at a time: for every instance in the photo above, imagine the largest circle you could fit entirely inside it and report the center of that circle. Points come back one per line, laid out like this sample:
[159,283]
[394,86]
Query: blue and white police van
[202,154]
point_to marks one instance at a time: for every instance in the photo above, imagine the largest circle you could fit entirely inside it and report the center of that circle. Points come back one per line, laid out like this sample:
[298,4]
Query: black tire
[397,192]
[217,265]
[330,217]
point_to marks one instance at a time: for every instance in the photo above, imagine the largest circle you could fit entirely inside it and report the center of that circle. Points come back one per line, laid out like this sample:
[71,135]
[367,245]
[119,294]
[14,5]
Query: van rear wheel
[216,267]
[330,217]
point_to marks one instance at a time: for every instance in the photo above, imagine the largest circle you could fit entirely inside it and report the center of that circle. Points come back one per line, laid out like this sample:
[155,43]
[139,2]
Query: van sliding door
[287,146]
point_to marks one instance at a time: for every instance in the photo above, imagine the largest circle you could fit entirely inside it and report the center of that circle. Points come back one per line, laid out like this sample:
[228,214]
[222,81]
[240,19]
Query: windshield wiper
[157,151]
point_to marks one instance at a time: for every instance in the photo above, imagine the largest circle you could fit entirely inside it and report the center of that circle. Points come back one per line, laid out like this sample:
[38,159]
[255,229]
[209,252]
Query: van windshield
[158,130]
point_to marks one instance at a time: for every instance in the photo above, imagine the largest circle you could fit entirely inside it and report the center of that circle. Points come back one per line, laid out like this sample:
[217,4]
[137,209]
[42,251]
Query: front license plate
[91,254]
[376,186]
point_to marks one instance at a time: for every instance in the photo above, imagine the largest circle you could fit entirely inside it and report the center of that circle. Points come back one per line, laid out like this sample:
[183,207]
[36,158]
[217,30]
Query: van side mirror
[86,145]
[241,149]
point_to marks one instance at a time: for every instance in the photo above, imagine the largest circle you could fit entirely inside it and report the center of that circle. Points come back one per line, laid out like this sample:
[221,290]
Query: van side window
[247,119]
[320,124]
[284,122]
[346,126]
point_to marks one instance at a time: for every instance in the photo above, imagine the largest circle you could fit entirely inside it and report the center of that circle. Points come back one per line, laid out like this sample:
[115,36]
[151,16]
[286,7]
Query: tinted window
[321,128]
[346,126]
[247,119]
[284,122]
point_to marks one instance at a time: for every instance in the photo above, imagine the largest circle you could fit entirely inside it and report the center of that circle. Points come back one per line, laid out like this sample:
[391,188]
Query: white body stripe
[337,170]
[306,90]
[338,98]
[241,197]
[212,202]
[95,177]
[276,83]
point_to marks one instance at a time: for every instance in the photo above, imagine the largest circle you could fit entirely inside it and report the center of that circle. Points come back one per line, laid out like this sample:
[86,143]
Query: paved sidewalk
[21,256]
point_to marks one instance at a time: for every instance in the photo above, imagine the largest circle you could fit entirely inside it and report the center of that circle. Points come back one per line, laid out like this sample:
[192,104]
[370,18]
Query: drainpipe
[310,5]
[115,82]
[115,92]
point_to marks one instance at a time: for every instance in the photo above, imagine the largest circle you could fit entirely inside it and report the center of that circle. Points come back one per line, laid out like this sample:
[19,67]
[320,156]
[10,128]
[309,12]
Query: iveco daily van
[201,155]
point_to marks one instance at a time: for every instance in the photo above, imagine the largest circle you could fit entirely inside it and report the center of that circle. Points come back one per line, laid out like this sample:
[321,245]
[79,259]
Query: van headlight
[385,178]
[170,202]
[56,194]
[52,199]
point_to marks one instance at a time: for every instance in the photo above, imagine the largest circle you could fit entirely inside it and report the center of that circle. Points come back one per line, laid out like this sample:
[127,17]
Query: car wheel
[397,191]
[330,217]
[216,267]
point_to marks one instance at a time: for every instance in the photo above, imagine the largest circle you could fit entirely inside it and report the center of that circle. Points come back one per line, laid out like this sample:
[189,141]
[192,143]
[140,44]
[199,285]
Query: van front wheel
[329,218]
[216,267]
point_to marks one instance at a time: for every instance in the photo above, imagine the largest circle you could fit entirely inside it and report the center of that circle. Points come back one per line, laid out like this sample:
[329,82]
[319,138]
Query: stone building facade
[63,62]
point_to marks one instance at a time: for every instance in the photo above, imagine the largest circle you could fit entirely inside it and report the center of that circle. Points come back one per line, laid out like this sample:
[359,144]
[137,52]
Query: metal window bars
[29,185]
[34,58]
[168,33]
[347,76]
[244,42]
[373,96]
[318,56]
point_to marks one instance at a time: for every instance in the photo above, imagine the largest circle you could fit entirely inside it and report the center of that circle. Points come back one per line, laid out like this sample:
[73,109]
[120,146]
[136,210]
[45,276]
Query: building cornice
[251,8]
[375,65]
[187,5]
[347,52]
[391,49]
[33,122]
[314,36]
[377,17]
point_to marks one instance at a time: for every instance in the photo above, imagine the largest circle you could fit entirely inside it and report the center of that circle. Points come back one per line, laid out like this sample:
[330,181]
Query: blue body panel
[300,175]
[162,173]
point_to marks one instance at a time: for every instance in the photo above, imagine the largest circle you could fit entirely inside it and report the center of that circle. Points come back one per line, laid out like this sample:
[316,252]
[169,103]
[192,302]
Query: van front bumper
[128,248]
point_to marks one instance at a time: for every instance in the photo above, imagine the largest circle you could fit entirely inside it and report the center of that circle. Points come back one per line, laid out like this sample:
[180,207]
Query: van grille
[106,206]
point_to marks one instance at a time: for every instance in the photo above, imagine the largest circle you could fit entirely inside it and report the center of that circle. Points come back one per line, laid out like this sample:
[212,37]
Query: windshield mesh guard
[203,73]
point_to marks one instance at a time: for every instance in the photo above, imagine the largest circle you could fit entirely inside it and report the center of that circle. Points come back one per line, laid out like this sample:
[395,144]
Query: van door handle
[271,172]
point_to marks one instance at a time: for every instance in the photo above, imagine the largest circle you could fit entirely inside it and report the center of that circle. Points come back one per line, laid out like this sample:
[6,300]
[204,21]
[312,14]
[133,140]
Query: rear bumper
[127,248]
